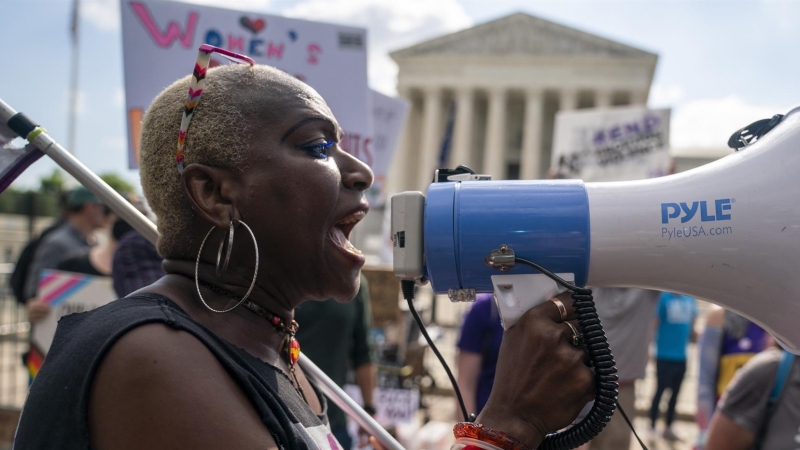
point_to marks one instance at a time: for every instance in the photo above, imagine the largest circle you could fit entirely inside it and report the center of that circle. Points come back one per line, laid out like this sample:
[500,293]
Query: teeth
[353,218]
[350,248]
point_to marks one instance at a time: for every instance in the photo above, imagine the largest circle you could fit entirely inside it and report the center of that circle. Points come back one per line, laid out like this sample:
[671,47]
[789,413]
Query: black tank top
[56,410]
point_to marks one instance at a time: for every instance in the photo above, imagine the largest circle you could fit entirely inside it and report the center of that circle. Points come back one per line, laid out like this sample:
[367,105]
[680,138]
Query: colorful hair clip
[196,87]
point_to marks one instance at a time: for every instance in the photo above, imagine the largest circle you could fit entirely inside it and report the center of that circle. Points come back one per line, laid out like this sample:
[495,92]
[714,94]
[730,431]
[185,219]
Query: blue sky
[721,64]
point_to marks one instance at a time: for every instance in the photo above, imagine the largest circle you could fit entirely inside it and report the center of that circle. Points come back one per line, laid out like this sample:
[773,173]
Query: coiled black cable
[601,360]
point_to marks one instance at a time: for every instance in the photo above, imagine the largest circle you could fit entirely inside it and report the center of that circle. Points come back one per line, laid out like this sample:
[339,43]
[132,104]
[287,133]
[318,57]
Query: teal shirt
[676,314]
[335,336]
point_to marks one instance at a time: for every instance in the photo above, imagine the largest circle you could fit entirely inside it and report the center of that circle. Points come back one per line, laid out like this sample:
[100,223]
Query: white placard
[392,406]
[389,116]
[160,41]
[614,144]
[67,293]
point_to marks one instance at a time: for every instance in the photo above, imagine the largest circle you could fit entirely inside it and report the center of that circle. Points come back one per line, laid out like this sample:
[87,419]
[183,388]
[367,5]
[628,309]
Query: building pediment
[521,34]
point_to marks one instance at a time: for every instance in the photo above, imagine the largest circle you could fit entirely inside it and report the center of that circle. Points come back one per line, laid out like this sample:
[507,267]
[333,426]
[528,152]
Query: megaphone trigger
[515,294]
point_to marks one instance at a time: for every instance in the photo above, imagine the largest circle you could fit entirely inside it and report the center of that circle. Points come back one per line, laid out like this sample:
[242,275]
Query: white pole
[348,405]
[148,229]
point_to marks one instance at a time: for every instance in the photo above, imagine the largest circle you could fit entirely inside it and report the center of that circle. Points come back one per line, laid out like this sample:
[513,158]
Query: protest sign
[388,119]
[66,293]
[160,42]
[392,406]
[614,144]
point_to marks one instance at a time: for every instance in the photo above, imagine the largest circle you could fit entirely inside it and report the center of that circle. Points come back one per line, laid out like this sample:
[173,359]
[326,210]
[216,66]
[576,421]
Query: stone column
[568,100]
[431,137]
[494,155]
[530,159]
[639,98]
[603,98]
[462,134]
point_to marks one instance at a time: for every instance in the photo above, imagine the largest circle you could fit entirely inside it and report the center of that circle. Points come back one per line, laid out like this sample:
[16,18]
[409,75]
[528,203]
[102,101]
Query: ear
[212,193]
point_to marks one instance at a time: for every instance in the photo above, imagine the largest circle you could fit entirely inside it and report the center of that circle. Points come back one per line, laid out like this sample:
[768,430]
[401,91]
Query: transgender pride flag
[55,287]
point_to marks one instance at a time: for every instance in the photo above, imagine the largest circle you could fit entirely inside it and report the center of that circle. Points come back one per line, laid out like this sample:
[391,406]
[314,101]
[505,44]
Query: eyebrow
[307,121]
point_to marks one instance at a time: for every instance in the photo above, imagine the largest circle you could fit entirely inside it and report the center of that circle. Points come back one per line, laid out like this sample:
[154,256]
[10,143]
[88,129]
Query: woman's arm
[159,388]
[469,368]
[725,434]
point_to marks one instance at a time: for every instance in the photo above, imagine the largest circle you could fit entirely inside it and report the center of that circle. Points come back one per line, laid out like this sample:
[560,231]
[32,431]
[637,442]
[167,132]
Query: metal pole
[86,177]
[144,226]
[348,405]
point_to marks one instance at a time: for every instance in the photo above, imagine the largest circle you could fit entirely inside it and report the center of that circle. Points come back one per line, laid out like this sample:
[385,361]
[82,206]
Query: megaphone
[727,232]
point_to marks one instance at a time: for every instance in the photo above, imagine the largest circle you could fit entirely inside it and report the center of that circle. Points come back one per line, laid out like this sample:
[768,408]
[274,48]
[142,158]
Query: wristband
[369,409]
[495,438]
[472,444]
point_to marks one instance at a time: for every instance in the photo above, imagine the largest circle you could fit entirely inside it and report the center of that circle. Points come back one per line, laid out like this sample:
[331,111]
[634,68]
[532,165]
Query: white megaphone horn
[727,232]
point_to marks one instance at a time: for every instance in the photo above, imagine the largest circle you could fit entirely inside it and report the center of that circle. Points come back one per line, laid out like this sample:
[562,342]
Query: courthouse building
[502,83]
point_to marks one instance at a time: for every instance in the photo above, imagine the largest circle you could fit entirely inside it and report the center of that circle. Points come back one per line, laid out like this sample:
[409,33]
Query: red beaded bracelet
[488,435]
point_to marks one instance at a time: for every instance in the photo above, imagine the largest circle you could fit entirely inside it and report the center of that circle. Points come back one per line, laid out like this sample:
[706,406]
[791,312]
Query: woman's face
[302,195]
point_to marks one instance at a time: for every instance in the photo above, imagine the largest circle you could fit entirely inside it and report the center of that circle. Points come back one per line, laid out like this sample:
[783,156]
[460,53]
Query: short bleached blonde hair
[238,103]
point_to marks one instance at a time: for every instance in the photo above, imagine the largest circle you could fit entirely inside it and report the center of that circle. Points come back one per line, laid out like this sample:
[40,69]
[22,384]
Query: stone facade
[505,80]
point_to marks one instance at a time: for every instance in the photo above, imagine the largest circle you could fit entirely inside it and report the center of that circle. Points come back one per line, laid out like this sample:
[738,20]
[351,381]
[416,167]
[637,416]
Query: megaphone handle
[602,361]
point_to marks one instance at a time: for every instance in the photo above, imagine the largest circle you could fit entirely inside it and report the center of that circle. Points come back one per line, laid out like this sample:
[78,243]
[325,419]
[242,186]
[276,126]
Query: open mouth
[340,233]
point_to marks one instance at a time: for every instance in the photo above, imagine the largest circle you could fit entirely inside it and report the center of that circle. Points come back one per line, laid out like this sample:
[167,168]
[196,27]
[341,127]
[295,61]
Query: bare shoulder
[161,388]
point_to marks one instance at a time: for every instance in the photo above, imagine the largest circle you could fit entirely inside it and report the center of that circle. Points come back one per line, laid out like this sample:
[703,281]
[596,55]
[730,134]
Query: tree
[52,184]
[117,183]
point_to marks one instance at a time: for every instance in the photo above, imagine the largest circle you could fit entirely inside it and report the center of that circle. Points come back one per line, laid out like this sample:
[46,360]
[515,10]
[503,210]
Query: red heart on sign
[254,26]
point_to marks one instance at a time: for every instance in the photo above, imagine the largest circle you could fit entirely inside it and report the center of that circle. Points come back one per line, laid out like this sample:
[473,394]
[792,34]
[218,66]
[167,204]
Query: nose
[355,174]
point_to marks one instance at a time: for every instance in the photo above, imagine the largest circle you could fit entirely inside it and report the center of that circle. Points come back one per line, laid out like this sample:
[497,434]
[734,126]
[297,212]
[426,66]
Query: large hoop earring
[197,268]
[227,260]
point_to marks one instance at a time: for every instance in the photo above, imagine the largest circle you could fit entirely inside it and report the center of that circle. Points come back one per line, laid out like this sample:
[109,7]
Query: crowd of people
[201,349]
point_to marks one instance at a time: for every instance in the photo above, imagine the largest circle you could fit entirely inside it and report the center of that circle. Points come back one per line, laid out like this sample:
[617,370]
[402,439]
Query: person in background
[674,327]
[85,214]
[760,409]
[727,343]
[627,318]
[96,260]
[136,264]
[18,279]
[335,336]
[478,347]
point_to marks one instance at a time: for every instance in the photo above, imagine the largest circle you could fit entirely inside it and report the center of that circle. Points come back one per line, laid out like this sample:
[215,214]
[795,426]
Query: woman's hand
[37,309]
[542,380]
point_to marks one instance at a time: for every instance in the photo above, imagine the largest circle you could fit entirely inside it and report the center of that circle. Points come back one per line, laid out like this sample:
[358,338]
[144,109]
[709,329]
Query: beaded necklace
[291,348]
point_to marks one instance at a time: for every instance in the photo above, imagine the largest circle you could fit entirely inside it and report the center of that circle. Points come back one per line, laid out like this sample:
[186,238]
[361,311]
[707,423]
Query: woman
[161,369]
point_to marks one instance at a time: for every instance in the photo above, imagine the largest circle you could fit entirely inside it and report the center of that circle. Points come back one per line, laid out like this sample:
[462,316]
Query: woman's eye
[319,150]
